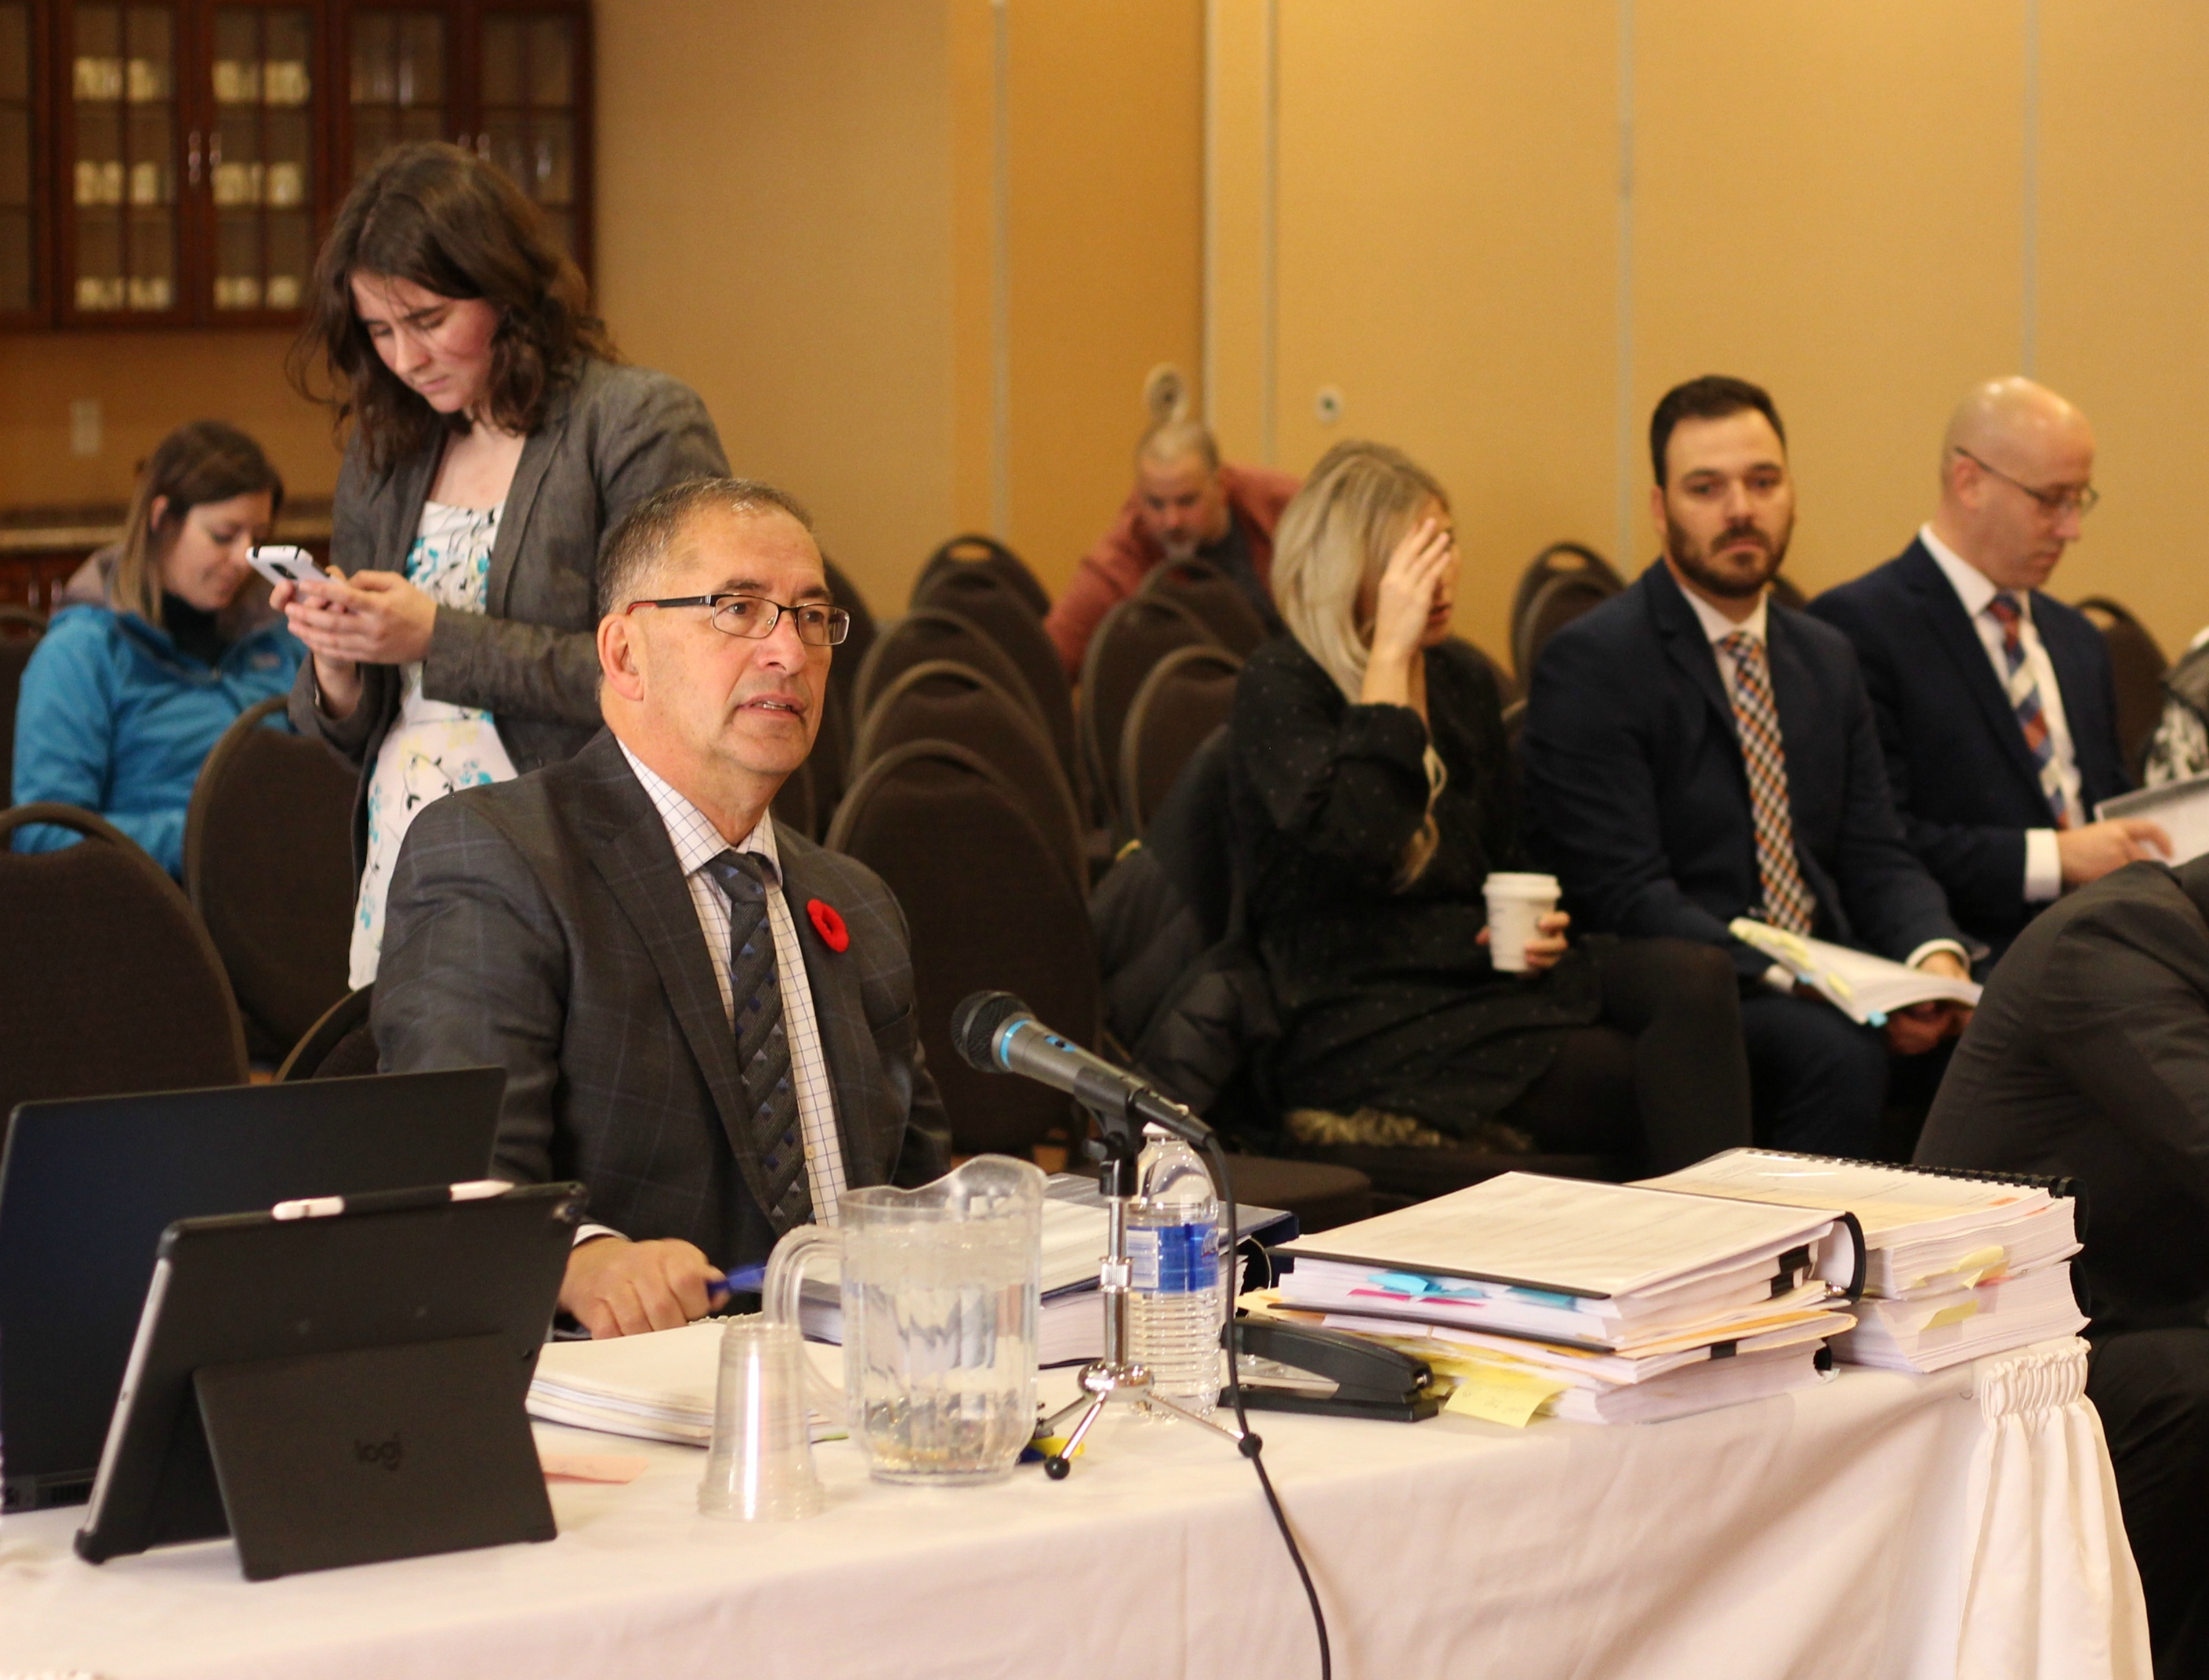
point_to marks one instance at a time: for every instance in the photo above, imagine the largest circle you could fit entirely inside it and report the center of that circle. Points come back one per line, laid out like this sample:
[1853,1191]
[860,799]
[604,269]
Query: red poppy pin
[829,925]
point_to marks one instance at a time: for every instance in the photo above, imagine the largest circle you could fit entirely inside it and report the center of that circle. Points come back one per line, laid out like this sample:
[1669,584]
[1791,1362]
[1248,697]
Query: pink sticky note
[591,1467]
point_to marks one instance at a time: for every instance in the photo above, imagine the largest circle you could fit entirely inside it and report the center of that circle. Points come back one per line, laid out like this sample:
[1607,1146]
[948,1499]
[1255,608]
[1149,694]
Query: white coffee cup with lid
[1516,905]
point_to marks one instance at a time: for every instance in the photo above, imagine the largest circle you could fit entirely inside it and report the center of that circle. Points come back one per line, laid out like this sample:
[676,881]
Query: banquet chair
[1557,560]
[1556,604]
[935,633]
[989,905]
[1129,643]
[1213,597]
[2136,660]
[1189,694]
[995,607]
[268,866]
[940,700]
[839,717]
[338,1046]
[987,553]
[108,981]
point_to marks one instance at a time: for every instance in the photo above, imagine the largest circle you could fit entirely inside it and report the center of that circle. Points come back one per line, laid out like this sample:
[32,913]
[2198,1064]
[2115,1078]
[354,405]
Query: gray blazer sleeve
[352,546]
[474,973]
[643,432]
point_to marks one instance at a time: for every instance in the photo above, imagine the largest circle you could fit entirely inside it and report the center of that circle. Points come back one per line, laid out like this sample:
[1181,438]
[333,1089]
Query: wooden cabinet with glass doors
[177,161]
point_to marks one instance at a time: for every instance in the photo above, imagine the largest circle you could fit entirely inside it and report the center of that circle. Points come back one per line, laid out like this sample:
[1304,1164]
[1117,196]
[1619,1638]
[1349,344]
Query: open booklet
[1864,987]
[2182,807]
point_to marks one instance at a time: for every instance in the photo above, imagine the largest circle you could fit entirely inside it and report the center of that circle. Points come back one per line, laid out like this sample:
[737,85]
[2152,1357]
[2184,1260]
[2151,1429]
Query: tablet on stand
[340,1381]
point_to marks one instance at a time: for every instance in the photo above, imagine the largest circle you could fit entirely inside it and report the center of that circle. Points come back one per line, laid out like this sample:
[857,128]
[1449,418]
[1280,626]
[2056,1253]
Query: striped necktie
[762,1045]
[2024,701]
[1787,901]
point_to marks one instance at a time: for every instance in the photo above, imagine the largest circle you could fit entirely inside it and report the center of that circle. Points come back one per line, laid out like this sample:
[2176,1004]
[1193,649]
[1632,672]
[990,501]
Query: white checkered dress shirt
[697,843]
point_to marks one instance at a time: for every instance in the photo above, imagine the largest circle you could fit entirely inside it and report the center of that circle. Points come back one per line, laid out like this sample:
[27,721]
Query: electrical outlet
[85,439]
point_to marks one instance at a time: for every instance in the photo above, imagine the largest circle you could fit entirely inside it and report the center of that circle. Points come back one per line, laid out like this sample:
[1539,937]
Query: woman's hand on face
[1543,952]
[1406,594]
[370,619]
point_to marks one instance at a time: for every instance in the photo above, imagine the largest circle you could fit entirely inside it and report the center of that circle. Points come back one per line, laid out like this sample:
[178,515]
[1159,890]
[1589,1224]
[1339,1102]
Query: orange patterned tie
[1787,902]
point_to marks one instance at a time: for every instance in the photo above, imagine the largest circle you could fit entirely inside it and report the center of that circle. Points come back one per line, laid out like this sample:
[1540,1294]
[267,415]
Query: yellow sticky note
[1955,1314]
[1501,1396]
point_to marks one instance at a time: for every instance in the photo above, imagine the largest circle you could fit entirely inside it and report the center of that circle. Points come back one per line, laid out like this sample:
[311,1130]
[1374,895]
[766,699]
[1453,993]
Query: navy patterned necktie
[762,1045]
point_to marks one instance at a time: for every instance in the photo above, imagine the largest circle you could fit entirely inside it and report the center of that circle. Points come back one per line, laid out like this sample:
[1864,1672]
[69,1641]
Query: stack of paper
[655,1387]
[1956,1268]
[1603,1303]
[2182,807]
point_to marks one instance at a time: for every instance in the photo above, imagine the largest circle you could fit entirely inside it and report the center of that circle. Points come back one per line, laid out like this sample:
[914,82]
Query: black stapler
[1370,1380]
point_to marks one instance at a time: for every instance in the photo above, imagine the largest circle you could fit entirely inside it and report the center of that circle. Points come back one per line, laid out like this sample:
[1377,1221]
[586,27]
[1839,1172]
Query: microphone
[994,1030]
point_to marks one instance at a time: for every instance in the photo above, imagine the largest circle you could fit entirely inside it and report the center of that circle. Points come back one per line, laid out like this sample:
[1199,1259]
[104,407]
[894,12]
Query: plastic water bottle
[1176,1308]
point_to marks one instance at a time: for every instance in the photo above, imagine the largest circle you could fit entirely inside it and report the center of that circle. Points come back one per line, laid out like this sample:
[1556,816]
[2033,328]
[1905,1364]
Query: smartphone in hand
[281,563]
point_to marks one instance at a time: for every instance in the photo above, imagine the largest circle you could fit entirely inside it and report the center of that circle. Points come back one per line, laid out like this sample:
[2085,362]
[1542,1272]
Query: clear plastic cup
[760,1466]
[1516,904]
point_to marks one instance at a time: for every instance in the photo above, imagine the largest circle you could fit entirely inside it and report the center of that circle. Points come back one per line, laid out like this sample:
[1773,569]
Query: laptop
[87,1185]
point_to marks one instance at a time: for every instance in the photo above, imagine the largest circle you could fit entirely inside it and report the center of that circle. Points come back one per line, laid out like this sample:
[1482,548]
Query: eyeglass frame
[2053,502]
[840,618]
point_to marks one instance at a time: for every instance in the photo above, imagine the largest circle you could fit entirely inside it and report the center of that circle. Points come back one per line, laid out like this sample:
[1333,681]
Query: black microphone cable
[1250,1446]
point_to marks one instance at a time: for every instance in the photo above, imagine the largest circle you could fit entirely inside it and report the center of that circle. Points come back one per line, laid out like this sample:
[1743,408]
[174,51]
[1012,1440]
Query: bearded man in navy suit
[1996,706]
[1695,752]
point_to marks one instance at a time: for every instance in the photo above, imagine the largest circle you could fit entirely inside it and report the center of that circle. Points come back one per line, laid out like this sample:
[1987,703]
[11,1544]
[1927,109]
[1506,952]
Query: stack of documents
[1865,988]
[1600,1302]
[1957,1265]
[2182,807]
[655,1387]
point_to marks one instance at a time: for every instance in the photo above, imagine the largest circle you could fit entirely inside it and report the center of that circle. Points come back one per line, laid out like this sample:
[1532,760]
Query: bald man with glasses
[1996,701]
[703,1016]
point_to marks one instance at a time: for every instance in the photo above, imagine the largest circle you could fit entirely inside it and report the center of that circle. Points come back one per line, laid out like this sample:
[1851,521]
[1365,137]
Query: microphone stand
[1116,1374]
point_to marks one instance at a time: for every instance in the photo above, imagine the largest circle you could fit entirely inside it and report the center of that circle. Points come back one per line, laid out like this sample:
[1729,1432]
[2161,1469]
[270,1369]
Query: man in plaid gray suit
[706,1019]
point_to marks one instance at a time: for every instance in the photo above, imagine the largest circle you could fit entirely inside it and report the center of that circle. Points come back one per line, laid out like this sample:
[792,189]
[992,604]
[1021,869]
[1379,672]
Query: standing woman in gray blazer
[494,442]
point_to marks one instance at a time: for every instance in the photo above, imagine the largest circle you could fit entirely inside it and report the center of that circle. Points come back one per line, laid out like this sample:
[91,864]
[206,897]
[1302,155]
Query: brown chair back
[1557,560]
[1559,601]
[338,1046]
[1189,694]
[268,866]
[935,633]
[990,906]
[1213,597]
[839,718]
[983,598]
[975,550]
[1127,647]
[2137,661]
[20,627]
[109,984]
[940,700]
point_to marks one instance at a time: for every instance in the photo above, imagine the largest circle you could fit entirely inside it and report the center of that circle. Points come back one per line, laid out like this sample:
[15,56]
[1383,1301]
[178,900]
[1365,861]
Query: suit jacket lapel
[839,1011]
[1686,646]
[636,860]
[1959,642]
[536,454]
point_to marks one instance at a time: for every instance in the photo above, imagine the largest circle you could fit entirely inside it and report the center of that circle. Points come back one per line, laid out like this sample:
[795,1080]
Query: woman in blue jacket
[122,703]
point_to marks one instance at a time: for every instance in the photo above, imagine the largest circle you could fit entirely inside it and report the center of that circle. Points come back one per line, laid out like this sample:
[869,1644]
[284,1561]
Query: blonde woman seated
[1373,792]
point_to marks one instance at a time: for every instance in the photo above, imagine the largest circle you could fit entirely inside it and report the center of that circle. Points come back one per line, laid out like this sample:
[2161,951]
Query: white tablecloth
[1876,1526]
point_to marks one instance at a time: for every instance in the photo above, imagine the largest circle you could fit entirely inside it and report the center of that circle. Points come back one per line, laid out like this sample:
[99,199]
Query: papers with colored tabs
[1864,987]
[1957,1265]
[1600,1302]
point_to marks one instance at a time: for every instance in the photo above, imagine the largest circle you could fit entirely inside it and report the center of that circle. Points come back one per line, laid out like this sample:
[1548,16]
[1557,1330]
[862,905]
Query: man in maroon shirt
[1186,505]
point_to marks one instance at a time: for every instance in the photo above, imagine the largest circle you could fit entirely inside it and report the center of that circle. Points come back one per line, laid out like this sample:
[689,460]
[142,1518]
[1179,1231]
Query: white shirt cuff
[587,1233]
[1780,979]
[2044,867]
[1930,946]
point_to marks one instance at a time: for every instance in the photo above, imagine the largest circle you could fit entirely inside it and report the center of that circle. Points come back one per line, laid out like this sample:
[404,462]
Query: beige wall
[147,385]
[775,190]
[1830,200]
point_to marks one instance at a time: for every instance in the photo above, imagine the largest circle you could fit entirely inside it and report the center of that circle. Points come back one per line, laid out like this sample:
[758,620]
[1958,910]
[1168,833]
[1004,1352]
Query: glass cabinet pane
[123,180]
[528,82]
[261,162]
[399,81]
[19,242]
